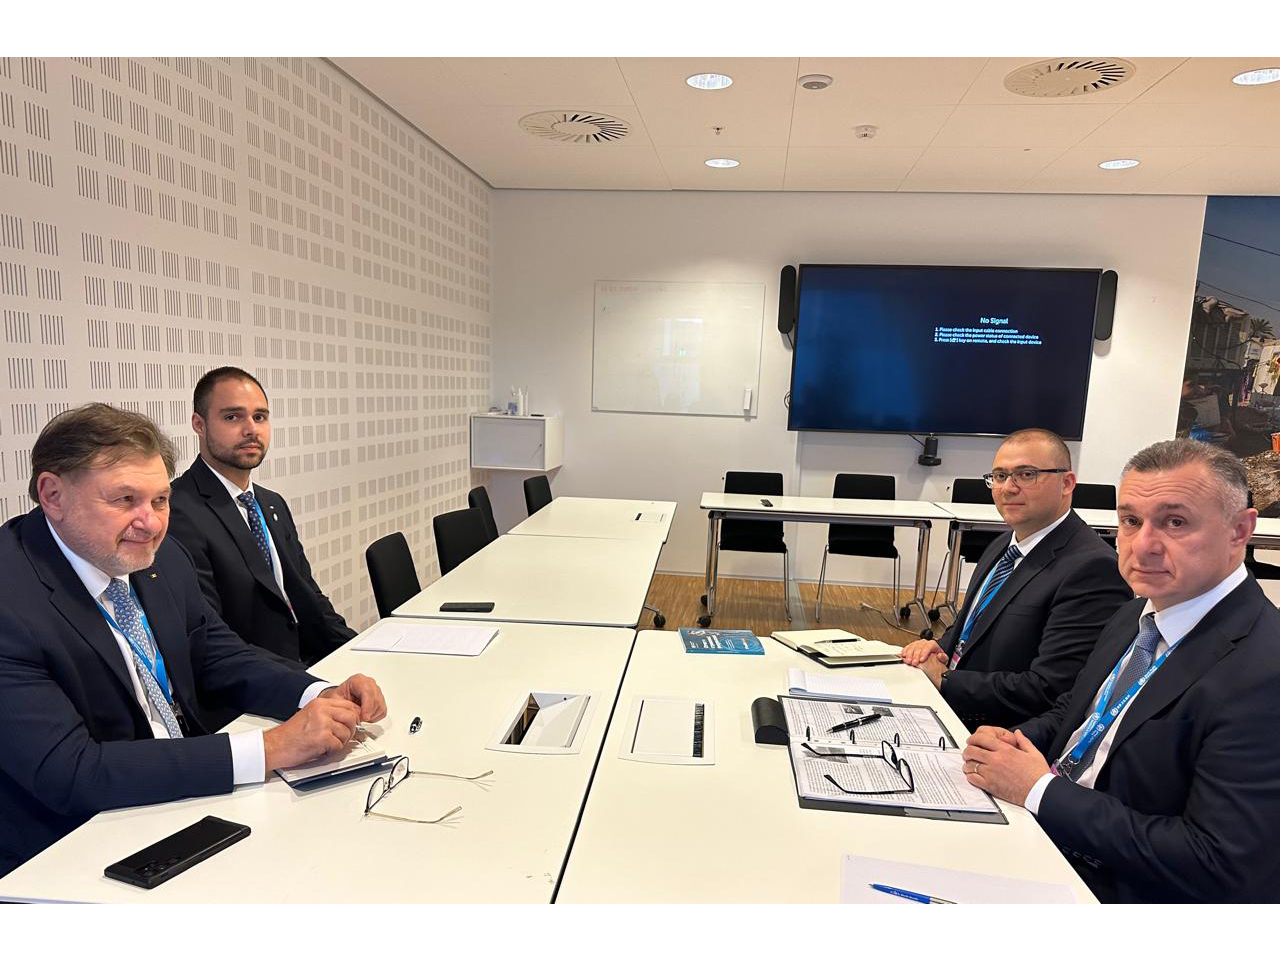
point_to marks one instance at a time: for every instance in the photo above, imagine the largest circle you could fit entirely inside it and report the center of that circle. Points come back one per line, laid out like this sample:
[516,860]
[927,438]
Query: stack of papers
[818,686]
[405,635]
[839,648]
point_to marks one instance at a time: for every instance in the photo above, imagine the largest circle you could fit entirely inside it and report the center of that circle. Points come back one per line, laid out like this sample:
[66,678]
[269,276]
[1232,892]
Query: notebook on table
[839,648]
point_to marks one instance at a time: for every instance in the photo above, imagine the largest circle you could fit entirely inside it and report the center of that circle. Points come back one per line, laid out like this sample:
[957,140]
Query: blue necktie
[1144,652]
[999,574]
[255,527]
[129,620]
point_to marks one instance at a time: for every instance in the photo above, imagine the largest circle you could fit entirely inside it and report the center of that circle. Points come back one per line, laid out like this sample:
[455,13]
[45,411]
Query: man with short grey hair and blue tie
[1158,773]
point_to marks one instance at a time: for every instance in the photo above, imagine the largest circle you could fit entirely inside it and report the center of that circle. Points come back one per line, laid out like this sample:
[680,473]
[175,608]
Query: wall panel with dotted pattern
[159,217]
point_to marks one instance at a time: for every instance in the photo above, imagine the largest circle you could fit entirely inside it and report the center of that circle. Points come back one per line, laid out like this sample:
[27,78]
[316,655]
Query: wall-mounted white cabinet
[500,442]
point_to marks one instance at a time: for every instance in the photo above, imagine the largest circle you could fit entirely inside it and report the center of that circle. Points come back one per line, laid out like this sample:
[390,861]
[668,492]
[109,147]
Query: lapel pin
[154,575]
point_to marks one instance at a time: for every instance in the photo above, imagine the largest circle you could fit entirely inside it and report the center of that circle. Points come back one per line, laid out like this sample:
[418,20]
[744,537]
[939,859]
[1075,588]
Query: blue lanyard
[156,668]
[1106,712]
[973,616]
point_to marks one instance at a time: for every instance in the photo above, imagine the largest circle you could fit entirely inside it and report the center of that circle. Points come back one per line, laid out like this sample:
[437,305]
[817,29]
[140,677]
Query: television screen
[946,350]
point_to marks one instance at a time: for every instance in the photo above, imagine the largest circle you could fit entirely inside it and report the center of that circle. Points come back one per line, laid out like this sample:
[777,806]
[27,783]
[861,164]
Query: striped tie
[999,574]
[129,620]
[1144,652]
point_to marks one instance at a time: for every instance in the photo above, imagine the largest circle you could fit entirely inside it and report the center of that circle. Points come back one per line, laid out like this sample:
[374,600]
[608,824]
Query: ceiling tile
[813,168]
[830,123]
[1208,80]
[1049,124]
[1180,124]
[1077,170]
[1238,170]
[868,80]
[567,82]
[963,169]
[754,111]
[989,86]
[760,168]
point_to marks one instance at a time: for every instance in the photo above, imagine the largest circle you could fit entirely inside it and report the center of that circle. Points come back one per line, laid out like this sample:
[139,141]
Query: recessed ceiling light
[1251,78]
[709,81]
[721,162]
[1118,164]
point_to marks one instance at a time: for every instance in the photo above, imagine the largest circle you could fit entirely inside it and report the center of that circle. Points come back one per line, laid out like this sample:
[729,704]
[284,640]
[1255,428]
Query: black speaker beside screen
[787,300]
[1104,313]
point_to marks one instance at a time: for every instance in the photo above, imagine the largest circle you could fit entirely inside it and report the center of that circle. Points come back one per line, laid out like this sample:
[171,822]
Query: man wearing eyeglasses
[1037,600]
[1157,774]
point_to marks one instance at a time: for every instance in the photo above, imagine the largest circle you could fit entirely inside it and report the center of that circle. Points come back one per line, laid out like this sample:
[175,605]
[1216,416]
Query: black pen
[855,722]
[415,724]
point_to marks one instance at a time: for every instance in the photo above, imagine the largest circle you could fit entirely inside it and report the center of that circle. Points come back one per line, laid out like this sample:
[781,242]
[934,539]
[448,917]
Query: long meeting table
[600,518]
[734,831]
[508,844]
[886,513]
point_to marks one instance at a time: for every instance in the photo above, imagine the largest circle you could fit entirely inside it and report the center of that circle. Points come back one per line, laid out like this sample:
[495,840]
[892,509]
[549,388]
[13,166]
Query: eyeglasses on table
[887,753]
[400,772]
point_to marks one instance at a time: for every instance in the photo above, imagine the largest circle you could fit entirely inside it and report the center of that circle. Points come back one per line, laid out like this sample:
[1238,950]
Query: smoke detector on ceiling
[815,81]
[574,126]
[865,131]
[1065,77]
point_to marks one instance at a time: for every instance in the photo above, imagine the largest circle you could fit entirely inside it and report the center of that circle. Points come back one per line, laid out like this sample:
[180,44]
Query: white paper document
[826,687]
[404,635]
[661,730]
[959,886]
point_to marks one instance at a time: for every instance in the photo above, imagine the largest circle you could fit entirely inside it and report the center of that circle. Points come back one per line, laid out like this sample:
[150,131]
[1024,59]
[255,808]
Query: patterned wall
[160,217]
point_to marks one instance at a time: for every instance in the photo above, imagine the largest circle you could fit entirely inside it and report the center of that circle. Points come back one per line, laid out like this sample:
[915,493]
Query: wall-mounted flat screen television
[946,350]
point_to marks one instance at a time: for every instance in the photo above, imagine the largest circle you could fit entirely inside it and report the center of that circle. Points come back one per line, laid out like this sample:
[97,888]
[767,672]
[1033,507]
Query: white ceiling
[946,124]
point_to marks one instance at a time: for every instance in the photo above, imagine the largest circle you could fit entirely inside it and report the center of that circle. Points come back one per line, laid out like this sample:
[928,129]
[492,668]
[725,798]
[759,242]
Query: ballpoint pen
[907,894]
[855,722]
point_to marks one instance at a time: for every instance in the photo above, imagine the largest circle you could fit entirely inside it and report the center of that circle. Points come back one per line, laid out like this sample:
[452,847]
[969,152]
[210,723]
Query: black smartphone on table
[165,859]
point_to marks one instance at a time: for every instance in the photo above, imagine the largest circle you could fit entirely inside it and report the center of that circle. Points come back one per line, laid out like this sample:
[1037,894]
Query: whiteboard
[677,347]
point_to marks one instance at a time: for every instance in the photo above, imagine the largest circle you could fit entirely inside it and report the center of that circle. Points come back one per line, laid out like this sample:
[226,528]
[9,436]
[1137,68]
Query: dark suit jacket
[1187,806]
[77,741]
[1036,633]
[234,574]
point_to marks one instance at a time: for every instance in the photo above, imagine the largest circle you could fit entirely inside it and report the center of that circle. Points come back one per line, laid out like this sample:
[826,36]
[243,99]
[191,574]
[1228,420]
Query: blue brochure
[721,641]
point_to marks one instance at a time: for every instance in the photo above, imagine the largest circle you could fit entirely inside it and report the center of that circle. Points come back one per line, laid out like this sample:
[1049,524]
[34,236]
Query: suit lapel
[229,515]
[1039,558]
[70,598]
[1213,638]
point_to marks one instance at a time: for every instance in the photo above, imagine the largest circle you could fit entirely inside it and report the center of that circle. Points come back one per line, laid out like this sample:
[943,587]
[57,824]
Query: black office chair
[479,499]
[1095,496]
[391,572]
[537,493]
[757,536]
[459,534]
[975,542]
[861,540]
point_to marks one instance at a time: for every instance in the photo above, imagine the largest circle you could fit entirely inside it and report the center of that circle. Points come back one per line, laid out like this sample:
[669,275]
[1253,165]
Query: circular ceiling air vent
[574,126]
[1064,77]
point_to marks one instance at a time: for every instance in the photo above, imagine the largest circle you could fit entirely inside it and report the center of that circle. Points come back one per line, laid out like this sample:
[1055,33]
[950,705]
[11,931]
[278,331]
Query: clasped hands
[326,724]
[929,657]
[1004,763]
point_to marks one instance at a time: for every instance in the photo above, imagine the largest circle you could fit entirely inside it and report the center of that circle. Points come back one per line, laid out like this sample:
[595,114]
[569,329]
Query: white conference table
[733,831]
[886,513]
[599,518]
[508,844]
[539,579]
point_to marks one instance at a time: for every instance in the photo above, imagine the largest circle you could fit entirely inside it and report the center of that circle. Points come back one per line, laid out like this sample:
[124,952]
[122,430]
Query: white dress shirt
[233,492]
[248,755]
[1174,623]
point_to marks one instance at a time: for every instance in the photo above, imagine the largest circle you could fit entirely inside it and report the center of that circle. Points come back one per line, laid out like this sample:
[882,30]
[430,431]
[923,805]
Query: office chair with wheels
[537,493]
[391,572]
[479,499]
[862,540]
[459,534]
[755,536]
[1095,496]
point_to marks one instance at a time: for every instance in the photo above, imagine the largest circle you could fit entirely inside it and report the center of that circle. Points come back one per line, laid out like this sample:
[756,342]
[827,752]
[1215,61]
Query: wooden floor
[756,605]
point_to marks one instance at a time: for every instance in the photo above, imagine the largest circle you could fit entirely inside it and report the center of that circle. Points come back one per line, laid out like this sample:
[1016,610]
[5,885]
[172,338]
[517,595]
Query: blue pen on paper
[907,894]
